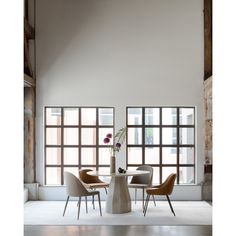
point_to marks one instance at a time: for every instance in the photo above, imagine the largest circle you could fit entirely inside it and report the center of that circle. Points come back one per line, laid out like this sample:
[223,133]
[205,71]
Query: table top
[117,174]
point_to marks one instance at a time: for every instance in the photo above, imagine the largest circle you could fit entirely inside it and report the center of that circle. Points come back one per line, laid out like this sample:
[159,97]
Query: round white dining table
[118,199]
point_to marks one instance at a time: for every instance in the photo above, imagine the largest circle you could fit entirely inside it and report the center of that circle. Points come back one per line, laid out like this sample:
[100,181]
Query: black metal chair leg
[170,205]
[143,198]
[86,204]
[99,201]
[66,205]
[154,200]
[79,207]
[106,190]
[93,202]
[146,204]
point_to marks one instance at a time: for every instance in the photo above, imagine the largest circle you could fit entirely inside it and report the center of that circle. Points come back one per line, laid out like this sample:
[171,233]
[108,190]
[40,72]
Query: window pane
[88,156]
[105,116]
[156,175]
[134,116]
[71,156]
[53,175]
[152,116]
[152,155]
[88,116]
[186,175]
[53,136]
[102,134]
[186,116]
[186,155]
[53,156]
[104,156]
[88,136]
[169,116]
[53,116]
[186,135]
[166,171]
[71,116]
[169,136]
[71,136]
[135,136]
[73,170]
[134,155]
[152,136]
[169,155]
[106,179]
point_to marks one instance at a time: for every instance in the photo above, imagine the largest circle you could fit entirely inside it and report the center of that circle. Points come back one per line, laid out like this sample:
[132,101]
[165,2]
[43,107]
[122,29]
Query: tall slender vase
[112,164]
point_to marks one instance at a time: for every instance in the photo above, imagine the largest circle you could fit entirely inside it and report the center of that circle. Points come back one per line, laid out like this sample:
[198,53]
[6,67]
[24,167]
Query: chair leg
[106,190]
[143,198]
[146,204]
[99,201]
[93,202]
[66,205]
[79,207]
[153,200]
[170,205]
[135,195]
[86,204]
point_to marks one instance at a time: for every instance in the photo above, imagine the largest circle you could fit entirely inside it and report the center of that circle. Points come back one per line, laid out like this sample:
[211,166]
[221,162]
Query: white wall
[119,53]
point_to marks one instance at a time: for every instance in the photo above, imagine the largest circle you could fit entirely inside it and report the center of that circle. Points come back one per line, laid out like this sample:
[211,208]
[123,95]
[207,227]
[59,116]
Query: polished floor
[203,230]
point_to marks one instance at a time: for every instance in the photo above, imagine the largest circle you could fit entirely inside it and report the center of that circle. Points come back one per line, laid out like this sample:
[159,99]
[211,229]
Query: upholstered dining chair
[75,188]
[91,182]
[142,181]
[165,188]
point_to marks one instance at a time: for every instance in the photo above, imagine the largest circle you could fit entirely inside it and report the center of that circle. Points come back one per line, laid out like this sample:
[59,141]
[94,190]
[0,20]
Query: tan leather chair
[165,188]
[75,188]
[91,182]
[142,181]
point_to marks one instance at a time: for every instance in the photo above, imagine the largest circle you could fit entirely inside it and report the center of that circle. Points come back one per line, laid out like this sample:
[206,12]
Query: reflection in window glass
[53,116]
[186,175]
[135,155]
[152,116]
[186,135]
[169,136]
[53,175]
[134,116]
[186,116]
[71,156]
[105,116]
[186,155]
[88,136]
[88,156]
[152,136]
[71,116]
[53,136]
[135,135]
[71,136]
[88,116]
[53,156]
[169,116]
[169,155]
[152,155]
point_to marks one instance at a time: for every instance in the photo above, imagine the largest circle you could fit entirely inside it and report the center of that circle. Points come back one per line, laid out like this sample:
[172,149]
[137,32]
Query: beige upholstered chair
[91,182]
[165,188]
[142,181]
[75,188]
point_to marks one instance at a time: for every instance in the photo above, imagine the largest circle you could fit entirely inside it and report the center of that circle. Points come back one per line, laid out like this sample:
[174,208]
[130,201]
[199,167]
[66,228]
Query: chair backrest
[168,184]
[74,187]
[88,179]
[143,179]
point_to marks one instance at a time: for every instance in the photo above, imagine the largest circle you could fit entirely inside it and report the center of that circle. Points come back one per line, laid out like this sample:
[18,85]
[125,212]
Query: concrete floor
[118,230]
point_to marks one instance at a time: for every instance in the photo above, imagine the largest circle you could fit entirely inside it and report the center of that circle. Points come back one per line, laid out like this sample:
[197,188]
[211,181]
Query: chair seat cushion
[97,185]
[137,185]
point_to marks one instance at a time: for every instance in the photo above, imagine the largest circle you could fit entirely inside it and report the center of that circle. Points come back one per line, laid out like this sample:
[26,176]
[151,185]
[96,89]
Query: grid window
[164,138]
[74,140]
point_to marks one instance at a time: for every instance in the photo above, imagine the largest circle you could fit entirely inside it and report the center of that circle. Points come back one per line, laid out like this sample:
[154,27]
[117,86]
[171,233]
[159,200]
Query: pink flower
[109,136]
[106,140]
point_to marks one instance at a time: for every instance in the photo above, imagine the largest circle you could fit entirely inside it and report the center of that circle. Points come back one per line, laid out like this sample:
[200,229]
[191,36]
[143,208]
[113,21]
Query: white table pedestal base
[118,199]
